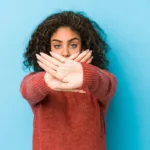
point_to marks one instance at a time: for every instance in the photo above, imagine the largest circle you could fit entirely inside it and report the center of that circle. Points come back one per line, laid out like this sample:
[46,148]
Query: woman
[70,88]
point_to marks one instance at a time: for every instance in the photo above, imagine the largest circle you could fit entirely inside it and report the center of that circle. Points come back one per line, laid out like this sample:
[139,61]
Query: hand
[49,77]
[83,57]
[66,72]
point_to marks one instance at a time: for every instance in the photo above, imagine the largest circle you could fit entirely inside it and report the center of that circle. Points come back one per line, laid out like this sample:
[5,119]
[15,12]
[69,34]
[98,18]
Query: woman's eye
[73,45]
[57,46]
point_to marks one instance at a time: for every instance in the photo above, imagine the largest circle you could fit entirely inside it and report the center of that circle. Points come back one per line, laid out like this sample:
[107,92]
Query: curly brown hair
[92,37]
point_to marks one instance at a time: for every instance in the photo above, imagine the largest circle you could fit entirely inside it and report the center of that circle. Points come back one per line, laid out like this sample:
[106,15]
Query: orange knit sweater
[69,120]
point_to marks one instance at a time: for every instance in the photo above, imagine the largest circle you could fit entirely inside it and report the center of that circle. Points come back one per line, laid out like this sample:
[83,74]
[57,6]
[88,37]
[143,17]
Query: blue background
[127,25]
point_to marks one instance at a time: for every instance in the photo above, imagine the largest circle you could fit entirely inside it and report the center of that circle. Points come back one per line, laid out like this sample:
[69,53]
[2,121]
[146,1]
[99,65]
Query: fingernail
[41,53]
[51,53]
[90,51]
[36,55]
[86,51]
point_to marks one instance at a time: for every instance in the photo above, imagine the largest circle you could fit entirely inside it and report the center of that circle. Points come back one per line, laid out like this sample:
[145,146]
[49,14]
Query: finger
[72,57]
[81,56]
[86,57]
[50,71]
[89,60]
[51,59]
[46,62]
[58,57]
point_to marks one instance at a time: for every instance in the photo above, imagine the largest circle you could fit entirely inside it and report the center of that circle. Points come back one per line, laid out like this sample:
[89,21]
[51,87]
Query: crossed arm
[68,75]
[64,74]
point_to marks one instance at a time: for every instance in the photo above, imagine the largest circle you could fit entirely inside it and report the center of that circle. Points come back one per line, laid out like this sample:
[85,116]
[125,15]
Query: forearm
[33,88]
[99,82]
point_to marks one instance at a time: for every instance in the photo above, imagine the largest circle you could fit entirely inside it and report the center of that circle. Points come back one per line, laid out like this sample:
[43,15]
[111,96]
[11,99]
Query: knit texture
[70,120]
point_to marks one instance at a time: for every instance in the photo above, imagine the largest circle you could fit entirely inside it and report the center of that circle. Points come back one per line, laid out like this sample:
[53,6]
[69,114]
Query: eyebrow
[68,41]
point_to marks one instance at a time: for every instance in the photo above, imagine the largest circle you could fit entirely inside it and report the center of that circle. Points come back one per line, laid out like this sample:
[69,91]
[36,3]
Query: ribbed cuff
[89,77]
[42,86]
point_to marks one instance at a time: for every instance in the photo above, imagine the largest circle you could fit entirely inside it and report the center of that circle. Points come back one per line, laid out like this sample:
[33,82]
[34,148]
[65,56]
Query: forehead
[65,33]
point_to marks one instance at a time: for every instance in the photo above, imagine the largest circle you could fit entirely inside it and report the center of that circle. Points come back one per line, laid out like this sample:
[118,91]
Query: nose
[65,52]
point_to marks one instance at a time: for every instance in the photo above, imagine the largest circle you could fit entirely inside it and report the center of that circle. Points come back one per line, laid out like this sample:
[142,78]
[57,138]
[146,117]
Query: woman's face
[65,42]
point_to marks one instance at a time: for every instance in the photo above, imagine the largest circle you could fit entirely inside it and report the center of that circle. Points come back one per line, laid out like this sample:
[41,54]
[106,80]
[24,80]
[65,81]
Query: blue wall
[127,25]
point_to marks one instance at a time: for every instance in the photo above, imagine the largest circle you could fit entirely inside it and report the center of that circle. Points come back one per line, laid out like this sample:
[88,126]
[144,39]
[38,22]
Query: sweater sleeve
[100,83]
[33,87]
